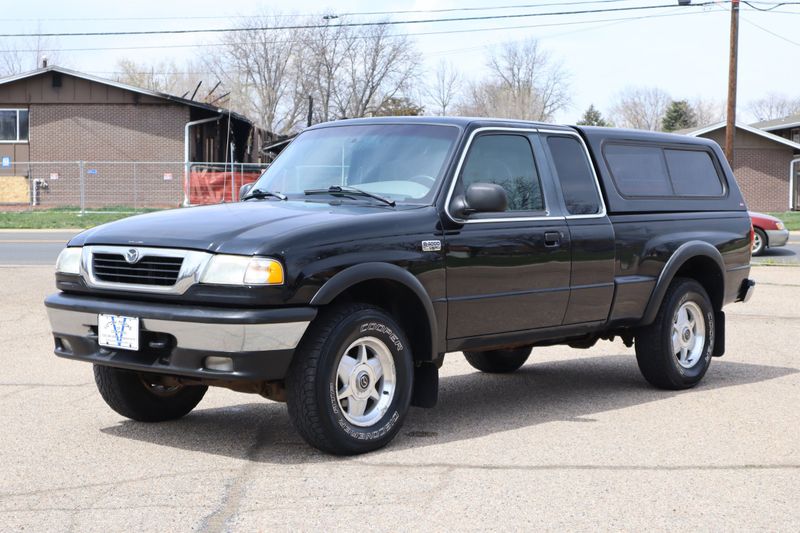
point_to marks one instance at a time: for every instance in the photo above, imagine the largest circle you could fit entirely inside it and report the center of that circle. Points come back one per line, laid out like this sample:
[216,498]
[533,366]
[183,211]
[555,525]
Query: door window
[505,160]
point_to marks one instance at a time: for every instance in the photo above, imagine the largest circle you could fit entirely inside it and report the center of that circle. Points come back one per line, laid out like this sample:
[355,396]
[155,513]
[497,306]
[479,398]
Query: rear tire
[674,352]
[133,396]
[349,384]
[498,361]
[759,241]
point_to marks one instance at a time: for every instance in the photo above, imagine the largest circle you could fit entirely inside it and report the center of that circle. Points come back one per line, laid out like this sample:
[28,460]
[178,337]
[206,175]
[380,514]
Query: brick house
[54,114]
[766,165]
[786,127]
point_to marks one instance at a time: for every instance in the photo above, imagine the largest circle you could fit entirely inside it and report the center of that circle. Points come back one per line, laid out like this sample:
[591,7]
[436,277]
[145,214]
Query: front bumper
[177,340]
[777,237]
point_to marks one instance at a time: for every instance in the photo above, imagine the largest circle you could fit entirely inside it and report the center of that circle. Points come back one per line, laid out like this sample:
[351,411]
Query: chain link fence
[117,186]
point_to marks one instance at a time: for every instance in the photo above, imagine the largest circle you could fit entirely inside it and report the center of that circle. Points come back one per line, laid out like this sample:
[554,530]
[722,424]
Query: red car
[769,232]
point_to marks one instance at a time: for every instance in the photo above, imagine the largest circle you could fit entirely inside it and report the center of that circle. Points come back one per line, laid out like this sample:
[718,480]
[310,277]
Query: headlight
[69,261]
[779,225]
[241,270]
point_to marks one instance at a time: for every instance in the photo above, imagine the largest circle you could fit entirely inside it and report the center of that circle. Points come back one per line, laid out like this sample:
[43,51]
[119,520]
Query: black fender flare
[683,253]
[353,275]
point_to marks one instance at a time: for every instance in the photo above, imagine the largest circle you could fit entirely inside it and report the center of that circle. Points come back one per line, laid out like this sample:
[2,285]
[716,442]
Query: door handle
[552,239]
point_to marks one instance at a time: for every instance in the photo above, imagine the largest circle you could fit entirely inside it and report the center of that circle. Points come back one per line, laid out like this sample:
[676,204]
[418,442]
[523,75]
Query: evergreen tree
[398,107]
[680,115]
[593,117]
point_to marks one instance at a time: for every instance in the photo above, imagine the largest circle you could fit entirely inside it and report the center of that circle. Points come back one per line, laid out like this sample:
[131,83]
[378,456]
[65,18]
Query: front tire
[674,352]
[349,384]
[498,361]
[138,396]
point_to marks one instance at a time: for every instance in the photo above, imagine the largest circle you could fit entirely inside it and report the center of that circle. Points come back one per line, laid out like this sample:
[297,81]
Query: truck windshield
[400,162]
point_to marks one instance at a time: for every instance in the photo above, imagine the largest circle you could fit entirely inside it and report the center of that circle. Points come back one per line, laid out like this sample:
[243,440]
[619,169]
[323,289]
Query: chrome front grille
[156,270]
[149,270]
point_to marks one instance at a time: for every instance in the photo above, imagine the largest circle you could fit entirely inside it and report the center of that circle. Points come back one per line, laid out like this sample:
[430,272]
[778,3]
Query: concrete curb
[42,230]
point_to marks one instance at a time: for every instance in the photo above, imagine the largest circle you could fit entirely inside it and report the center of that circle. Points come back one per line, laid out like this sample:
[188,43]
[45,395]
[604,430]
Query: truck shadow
[470,406]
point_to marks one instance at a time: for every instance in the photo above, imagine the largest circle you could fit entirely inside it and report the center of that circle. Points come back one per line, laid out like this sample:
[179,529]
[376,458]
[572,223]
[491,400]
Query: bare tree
[324,55]
[349,71]
[445,88]
[707,111]
[379,66]
[641,108]
[258,69]
[525,82]
[774,106]
[21,55]
[165,76]
[355,71]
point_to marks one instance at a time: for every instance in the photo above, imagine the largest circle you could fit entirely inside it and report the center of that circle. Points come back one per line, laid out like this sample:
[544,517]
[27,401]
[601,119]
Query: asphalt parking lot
[576,440]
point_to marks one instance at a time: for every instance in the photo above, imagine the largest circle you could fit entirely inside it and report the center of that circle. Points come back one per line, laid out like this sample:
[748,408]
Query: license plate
[120,332]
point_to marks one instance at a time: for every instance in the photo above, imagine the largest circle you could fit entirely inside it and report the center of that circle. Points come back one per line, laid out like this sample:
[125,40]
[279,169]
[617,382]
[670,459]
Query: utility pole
[730,129]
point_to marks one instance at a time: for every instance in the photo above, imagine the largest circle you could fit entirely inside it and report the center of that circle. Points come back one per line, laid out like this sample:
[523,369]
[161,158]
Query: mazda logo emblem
[132,255]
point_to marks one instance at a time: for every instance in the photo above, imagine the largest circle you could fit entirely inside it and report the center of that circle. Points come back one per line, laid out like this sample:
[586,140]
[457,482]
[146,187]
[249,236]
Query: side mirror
[481,198]
[244,189]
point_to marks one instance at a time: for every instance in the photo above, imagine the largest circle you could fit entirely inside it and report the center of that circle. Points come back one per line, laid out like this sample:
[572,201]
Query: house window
[796,135]
[13,125]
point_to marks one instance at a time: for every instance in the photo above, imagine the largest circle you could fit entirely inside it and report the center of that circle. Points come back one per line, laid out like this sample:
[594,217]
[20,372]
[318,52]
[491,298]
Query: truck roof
[589,132]
[595,133]
[461,122]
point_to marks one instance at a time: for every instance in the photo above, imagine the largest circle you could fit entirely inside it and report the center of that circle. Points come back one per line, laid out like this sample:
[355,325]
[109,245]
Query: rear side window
[693,173]
[638,170]
[575,175]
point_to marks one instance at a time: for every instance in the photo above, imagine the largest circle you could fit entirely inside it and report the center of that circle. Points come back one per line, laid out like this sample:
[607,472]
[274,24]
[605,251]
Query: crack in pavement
[46,384]
[235,489]
[777,284]
[111,483]
[762,317]
[99,508]
[610,468]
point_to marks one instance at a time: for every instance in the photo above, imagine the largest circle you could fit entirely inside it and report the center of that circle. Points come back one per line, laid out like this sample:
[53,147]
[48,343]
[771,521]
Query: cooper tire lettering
[382,328]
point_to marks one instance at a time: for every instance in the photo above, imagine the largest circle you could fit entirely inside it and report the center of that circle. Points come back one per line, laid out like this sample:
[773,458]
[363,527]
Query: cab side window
[578,184]
[505,160]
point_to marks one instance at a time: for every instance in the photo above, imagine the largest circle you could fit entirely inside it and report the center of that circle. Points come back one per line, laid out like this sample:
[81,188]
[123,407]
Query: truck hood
[252,227]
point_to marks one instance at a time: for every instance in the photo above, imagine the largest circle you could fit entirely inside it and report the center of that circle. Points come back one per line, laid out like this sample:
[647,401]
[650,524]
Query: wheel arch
[698,260]
[394,289]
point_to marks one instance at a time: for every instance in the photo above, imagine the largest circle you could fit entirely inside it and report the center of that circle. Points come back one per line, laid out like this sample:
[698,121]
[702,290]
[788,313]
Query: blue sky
[684,50]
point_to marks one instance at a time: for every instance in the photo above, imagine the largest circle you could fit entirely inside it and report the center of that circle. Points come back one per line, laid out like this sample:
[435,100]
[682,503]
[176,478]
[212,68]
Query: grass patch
[790,218]
[63,218]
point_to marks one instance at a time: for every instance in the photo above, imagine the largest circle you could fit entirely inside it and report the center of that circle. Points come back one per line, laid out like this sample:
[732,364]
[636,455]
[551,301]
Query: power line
[349,24]
[602,22]
[453,9]
[762,28]
[682,12]
[773,6]
[296,15]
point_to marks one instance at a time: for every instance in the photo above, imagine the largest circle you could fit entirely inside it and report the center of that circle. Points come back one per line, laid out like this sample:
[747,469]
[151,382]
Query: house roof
[792,121]
[697,132]
[123,86]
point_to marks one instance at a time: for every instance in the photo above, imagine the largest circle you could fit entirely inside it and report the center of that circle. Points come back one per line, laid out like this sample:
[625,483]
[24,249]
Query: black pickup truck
[372,247]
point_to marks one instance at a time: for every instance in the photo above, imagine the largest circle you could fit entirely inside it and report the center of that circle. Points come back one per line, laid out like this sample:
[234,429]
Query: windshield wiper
[258,193]
[339,189]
